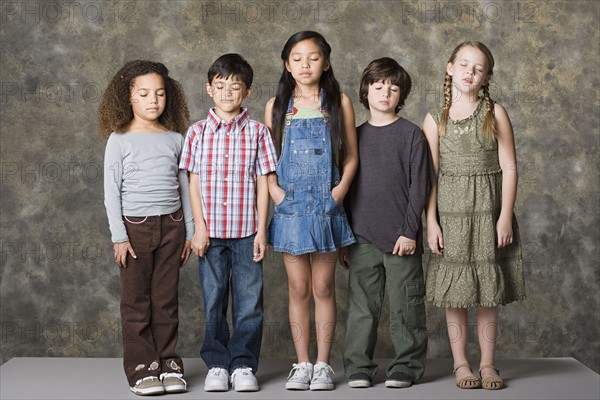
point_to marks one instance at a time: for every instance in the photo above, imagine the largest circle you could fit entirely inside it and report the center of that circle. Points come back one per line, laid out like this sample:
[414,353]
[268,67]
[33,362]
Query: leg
[247,305]
[214,281]
[366,286]
[323,286]
[165,284]
[140,358]
[299,273]
[456,322]
[487,328]
[406,290]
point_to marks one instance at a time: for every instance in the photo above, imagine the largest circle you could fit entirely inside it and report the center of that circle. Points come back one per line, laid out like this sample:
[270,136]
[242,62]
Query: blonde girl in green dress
[471,228]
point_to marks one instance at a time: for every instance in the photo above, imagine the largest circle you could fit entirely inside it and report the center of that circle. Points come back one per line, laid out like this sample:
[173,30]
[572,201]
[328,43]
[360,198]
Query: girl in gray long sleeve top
[149,213]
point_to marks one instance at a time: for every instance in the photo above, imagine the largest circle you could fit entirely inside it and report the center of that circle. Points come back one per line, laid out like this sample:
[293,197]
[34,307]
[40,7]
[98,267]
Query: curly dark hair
[115,112]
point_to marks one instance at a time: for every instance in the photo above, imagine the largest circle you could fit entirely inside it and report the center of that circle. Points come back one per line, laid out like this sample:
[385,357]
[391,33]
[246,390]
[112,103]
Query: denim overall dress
[308,219]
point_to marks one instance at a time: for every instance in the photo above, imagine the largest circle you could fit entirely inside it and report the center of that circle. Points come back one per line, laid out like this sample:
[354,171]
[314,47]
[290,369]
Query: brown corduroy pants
[149,299]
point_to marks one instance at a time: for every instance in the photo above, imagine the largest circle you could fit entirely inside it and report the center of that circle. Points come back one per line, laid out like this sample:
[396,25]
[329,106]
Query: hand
[187,249]
[338,194]
[344,258]
[120,251]
[260,247]
[200,242]
[405,246]
[435,238]
[505,232]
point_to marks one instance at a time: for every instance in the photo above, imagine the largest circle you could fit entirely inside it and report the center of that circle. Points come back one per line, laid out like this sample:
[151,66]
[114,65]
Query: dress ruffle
[473,271]
[479,284]
[301,234]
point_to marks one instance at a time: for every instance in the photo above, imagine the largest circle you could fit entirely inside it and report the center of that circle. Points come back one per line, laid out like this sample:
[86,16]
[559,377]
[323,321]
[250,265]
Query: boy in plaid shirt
[228,156]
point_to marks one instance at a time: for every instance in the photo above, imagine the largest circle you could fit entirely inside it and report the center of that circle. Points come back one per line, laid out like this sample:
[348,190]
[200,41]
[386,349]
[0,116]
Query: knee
[299,292]
[323,291]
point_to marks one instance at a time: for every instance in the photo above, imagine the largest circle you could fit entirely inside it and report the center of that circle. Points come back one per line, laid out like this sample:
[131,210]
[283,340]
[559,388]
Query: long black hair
[327,82]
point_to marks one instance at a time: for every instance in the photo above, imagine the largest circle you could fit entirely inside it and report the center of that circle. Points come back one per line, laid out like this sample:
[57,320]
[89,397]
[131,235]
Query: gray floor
[103,378]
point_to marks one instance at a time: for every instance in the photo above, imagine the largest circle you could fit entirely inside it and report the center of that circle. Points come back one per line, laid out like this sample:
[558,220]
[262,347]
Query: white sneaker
[299,377]
[148,386]
[173,382]
[217,380]
[321,379]
[243,380]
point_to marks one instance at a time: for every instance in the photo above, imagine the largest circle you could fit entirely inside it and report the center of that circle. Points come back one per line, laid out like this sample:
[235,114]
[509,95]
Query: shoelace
[298,372]
[243,371]
[216,371]
[326,369]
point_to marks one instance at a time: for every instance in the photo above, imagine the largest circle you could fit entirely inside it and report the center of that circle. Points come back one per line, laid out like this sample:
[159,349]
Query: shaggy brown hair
[115,112]
[385,69]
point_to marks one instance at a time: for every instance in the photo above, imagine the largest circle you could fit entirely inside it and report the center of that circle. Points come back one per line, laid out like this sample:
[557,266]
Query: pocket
[177,216]
[415,304]
[331,206]
[139,230]
[307,150]
[283,198]
[287,198]
[135,220]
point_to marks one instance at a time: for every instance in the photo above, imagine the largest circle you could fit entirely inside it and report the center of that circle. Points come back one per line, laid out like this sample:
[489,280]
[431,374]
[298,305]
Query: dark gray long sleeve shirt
[390,189]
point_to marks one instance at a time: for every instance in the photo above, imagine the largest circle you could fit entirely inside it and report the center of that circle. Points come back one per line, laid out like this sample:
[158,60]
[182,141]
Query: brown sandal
[468,382]
[491,383]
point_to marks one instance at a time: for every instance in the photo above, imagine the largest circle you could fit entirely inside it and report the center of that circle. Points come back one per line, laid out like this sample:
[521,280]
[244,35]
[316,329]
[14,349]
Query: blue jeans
[228,262]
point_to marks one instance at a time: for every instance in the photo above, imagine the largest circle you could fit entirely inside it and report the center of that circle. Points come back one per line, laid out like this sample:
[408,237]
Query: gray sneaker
[299,377]
[359,380]
[149,385]
[398,379]
[322,377]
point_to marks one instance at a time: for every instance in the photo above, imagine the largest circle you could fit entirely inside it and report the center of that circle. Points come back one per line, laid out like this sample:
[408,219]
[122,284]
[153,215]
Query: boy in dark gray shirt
[384,205]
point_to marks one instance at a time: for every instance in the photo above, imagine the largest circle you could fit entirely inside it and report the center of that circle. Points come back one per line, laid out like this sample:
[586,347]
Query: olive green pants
[370,269]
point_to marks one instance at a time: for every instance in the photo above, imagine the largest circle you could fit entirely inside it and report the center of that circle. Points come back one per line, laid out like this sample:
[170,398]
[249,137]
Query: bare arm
[262,208]
[200,241]
[508,163]
[350,143]
[276,192]
[434,232]
[269,113]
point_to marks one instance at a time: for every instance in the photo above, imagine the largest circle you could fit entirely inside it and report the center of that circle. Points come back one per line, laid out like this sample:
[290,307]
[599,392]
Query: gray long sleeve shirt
[142,178]
[390,189]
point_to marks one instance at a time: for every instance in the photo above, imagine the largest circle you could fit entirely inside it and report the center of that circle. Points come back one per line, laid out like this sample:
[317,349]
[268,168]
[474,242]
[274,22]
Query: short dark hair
[231,64]
[385,69]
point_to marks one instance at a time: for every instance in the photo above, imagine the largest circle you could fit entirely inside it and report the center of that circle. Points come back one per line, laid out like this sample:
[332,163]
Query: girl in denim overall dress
[313,125]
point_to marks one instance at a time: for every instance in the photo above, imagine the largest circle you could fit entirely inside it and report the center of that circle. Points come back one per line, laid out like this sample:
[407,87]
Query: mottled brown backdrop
[59,286]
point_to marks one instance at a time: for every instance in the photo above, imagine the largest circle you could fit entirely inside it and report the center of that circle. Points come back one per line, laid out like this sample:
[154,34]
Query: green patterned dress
[472,272]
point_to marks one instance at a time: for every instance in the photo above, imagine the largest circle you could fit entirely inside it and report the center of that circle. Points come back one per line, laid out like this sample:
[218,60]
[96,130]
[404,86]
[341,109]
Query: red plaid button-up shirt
[228,157]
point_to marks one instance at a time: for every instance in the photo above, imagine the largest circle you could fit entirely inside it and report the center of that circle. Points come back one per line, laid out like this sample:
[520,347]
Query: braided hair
[489,122]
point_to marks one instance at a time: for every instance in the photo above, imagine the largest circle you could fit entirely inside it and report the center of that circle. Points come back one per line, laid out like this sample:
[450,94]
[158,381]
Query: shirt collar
[239,121]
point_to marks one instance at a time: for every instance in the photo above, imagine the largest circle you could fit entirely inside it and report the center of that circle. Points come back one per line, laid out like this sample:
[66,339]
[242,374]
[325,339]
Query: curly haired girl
[150,218]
